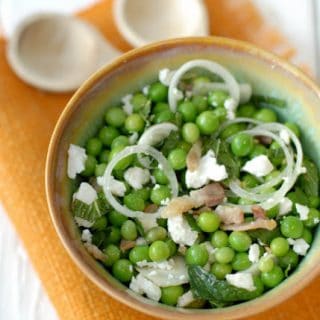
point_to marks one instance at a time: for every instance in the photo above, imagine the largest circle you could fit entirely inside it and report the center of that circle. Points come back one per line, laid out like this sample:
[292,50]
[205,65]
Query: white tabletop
[21,294]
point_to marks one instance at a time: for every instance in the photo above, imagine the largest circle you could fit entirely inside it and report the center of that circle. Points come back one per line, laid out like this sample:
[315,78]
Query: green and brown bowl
[268,74]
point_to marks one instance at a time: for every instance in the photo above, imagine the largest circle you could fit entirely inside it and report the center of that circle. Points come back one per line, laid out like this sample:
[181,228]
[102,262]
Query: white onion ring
[127,152]
[231,83]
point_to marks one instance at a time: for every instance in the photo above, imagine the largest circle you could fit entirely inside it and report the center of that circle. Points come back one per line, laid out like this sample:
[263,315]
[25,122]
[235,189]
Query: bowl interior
[84,113]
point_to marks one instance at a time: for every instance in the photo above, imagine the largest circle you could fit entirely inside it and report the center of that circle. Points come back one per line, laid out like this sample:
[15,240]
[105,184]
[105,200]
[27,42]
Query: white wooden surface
[21,294]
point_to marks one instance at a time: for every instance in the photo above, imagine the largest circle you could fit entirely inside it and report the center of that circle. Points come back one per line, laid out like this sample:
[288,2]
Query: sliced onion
[231,83]
[150,151]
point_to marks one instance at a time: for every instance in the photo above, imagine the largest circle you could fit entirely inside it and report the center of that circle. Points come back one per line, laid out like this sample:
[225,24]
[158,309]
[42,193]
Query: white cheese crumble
[145,90]
[207,170]
[242,280]
[165,76]
[83,222]
[284,135]
[300,246]
[117,188]
[137,177]
[86,236]
[185,299]
[303,170]
[285,206]
[211,250]
[76,160]
[254,253]
[180,231]
[127,106]
[142,285]
[165,201]
[141,241]
[303,211]
[259,166]
[148,222]
[86,193]
[163,265]
[230,106]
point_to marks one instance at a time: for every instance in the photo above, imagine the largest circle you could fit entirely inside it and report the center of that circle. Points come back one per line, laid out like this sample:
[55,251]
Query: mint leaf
[309,182]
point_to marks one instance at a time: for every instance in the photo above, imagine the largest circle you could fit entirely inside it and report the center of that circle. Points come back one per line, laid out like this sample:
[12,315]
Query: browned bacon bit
[126,245]
[258,212]
[230,215]
[210,195]
[264,140]
[178,206]
[194,156]
[268,224]
[151,208]
[95,251]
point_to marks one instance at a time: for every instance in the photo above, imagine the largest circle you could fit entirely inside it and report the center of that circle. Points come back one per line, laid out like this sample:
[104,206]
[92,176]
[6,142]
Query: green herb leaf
[170,142]
[262,101]
[265,236]
[204,285]
[309,182]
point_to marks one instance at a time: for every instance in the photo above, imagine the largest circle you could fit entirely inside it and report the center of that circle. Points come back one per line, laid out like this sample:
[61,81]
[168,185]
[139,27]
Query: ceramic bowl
[267,73]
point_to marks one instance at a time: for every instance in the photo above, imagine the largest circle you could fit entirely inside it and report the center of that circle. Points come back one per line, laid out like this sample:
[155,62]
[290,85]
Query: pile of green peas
[197,117]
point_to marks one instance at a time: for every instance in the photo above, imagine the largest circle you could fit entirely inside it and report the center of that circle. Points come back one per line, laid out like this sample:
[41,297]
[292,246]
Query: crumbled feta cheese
[148,221]
[117,188]
[142,285]
[285,206]
[254,253]
[180,231]
[285,136]
[211,250]
[259,166]
[157,186]
[242,280]
[86,236]
[133,138]
[165,201]
[230,105]
[303,211]
[303,170]
[127,106]
[86,193]
[76,160]
[207,170]
[145,90]
[137,177]
[83,222]
[165,76]
[300,246]
[185,299]
[163,265]
[141,241]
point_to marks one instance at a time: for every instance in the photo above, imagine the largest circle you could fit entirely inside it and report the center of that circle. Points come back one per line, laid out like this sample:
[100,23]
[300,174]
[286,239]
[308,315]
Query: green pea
[107,135]
[241,261]
[208,221]
[89,166]
[100,169]
[159,251]
[156,233]
[220,113]
[159,107]
[115,117]
[231,130]
[291,227]
[160,176]
[160,193]
[200,102]
[104,156]
[224,255]
[307,235]
[122,270]
[139,253]
[266,264]
[220,270]
[177,159]
[190,132]
[94,146]
[143,193]
[217,98]
[279,246]
[242,144]
[129,230]
[112,253]
[123,163]
[276,154]
[134,202]
[266,115]
[134,123]
[239,241]
[172,247]
[188,111]
[314,202]
[313,218]
[293,127]
[113,235]
[164,116]
[100,224]
[116,218]
[249,181]
[158,92]
[170,295]
[272,278]
[120,141]
[138,101]
[289,259]
[207,122]
[258,150]
[246,110]
[197,255]
[219,239]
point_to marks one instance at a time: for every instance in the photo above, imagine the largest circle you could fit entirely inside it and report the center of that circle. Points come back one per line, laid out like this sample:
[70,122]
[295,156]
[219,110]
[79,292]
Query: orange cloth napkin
[27,118]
